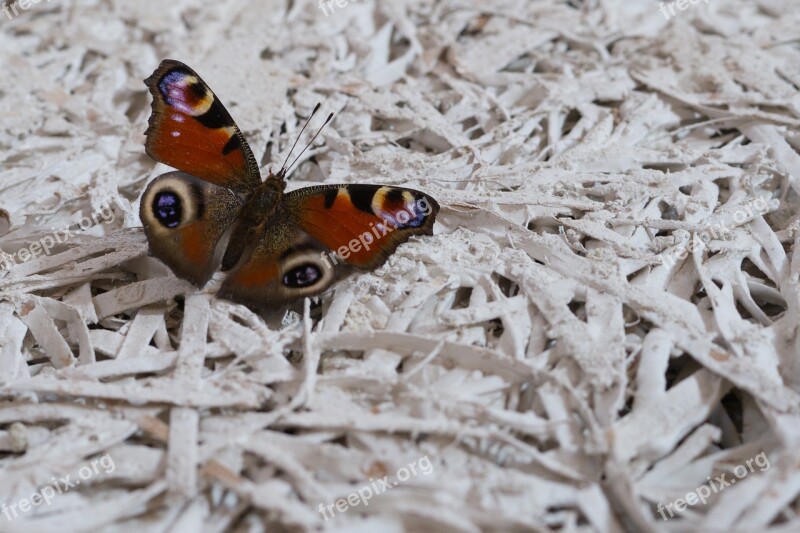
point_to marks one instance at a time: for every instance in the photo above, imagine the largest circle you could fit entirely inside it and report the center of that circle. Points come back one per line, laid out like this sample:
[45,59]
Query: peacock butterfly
[216,213]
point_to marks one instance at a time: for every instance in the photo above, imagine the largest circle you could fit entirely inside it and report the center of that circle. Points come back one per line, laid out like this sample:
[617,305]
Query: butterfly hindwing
[285,265]
[192,131]
[362,224]
[184,219]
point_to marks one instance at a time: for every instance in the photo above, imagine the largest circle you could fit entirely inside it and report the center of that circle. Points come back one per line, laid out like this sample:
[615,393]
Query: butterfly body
[215,213]
[259,208]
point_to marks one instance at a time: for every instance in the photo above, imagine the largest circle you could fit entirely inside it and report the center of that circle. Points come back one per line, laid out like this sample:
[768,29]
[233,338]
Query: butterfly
[216,213]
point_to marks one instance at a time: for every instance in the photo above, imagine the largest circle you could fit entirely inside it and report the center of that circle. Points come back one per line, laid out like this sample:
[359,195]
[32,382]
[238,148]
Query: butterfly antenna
[310,142]
[314,112]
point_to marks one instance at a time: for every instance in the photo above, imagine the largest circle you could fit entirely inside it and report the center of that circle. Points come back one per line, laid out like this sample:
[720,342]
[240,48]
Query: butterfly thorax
[259,208]
[262,204]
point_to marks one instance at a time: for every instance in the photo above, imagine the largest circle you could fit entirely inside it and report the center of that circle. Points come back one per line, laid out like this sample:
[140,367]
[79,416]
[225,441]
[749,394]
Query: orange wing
[362,224]
[192,131]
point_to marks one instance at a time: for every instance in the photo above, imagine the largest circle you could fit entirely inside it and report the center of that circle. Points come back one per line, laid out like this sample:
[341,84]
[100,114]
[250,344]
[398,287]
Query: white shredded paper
[601,335]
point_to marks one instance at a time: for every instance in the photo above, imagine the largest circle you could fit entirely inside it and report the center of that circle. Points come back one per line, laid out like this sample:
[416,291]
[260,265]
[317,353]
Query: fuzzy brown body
[259,209]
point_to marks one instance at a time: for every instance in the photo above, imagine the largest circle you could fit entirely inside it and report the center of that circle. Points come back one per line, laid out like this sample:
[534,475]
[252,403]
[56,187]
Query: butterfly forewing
[362,224]
[192,131]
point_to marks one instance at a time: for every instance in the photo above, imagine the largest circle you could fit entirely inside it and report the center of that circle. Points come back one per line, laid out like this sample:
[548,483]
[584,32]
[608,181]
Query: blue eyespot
[167,209]
[302,276]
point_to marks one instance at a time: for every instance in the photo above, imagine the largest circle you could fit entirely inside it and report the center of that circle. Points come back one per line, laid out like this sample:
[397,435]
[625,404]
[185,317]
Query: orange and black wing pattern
[318,230]
[192,131]
[362,224]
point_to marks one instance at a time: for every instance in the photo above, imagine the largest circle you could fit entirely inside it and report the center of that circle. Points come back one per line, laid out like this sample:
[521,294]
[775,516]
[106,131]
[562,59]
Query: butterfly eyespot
[167,209]
[198,89]
[302,276]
